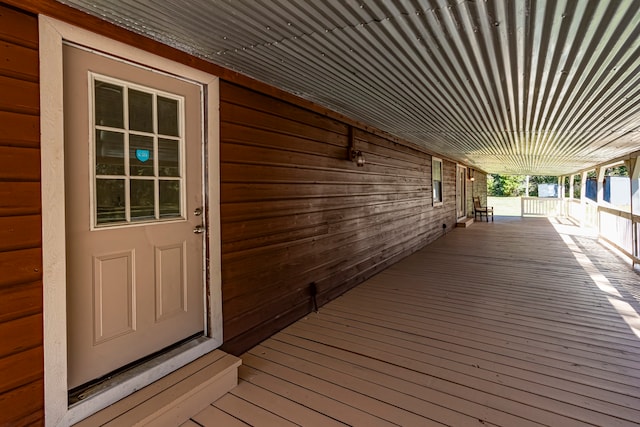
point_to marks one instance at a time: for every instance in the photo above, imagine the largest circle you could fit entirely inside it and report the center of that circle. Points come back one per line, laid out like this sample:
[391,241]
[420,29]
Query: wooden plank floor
[509,323]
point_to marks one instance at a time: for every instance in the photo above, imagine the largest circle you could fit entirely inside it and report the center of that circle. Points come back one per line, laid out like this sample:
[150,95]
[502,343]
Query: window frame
[127,132]
[440,201]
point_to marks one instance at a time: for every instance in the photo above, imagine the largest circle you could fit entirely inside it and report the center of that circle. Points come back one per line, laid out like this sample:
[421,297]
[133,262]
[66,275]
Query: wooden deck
[501,324]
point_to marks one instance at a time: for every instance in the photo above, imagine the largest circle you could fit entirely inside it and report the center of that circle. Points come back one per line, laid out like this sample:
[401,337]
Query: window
[436,178]
[138,150]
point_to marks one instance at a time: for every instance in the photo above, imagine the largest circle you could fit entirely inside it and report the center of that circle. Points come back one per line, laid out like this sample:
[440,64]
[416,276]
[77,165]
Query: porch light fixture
[358,157]
[355,155]
[471,175]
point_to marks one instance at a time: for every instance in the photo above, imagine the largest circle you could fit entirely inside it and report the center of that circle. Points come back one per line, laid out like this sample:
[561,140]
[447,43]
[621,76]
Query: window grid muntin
[127,177]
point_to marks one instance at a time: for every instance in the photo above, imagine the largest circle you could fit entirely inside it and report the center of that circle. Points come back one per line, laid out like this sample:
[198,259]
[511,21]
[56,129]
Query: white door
[134,212]
[461,192]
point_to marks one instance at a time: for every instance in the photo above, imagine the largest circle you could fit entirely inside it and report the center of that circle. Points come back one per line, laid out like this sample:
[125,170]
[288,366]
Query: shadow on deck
[520,322]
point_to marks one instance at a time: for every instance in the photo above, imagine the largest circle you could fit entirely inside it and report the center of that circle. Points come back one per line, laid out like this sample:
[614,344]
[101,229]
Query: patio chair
[479,210]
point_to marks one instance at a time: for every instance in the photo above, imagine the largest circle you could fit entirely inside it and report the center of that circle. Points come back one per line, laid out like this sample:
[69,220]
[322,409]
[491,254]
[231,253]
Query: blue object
[142,155]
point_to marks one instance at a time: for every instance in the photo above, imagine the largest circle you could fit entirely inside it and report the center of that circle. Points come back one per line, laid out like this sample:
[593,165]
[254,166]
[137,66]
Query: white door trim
[52,33]
[461,191]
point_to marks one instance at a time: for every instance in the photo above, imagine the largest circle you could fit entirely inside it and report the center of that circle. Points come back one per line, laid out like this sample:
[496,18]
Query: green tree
[505,185]
[577,185]
[617,171]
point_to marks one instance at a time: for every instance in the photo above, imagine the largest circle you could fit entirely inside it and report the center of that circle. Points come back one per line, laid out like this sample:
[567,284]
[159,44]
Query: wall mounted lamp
[358,157]
[355,155]
[471,175]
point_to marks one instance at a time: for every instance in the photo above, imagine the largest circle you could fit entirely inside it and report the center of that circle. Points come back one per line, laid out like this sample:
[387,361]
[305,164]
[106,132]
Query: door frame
[461,191]
[52,33]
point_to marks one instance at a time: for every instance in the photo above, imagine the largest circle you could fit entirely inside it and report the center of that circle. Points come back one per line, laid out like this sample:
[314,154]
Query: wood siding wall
[480,188]
[295,210]
[21,355]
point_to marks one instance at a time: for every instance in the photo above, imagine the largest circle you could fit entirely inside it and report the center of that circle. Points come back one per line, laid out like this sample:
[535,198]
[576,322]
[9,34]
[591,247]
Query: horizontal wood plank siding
[21,353]
[295,210]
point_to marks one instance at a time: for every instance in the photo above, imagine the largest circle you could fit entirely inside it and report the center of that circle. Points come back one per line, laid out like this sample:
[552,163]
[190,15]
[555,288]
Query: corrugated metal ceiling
[525,87]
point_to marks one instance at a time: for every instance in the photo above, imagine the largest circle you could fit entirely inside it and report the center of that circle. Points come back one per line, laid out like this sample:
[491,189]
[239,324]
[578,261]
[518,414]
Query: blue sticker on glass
[142,155]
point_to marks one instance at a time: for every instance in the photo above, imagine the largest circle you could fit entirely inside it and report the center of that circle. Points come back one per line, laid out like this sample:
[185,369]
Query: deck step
[171,400]
[465,222]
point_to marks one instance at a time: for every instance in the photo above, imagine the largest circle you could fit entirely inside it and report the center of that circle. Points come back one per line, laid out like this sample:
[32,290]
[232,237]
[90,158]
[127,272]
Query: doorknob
[199,229]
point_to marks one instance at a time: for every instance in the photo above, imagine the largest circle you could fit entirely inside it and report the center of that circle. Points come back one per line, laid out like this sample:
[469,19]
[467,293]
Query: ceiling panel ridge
[471,95]
[603,79]
[503,84]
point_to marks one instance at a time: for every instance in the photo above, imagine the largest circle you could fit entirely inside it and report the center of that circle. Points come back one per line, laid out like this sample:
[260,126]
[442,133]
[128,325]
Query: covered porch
[525,321]
[333,140]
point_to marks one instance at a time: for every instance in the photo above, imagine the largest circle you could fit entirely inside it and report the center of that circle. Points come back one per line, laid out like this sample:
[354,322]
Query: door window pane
[168,157]
[168,116]
[137,167]
[109,153]
[141,155]
[169,199]
[110,201]
[109,105]
[142,200]
[140,111]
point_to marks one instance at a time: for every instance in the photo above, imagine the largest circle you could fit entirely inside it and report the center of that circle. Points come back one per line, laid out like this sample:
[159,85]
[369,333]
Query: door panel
[133,193]
[113,299]
[171,289]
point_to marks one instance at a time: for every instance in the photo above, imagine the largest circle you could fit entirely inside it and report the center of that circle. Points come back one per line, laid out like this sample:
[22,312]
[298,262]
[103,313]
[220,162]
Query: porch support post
[560,185]
[583,198]
[600,171]
[633,168]
[569,203]
[571,185]
[561,194]
[600,174]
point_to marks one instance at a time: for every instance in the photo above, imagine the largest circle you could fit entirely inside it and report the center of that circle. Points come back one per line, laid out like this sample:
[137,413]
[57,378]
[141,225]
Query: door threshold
[175,398]
[122,385]
[111,379]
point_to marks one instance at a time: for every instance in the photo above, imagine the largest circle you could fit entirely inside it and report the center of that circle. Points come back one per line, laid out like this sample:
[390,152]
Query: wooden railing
[618,228]
[534,206]
[585,213]
[621,230]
